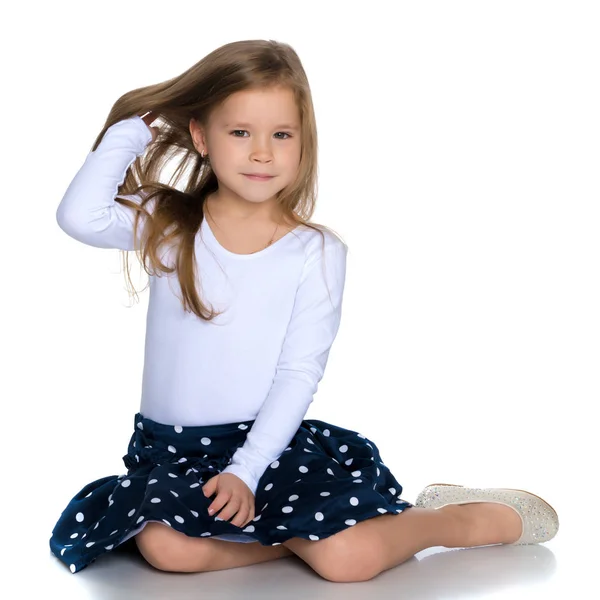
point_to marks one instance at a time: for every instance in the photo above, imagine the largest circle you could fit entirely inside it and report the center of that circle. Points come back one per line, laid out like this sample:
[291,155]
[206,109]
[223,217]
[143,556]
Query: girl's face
[253,132]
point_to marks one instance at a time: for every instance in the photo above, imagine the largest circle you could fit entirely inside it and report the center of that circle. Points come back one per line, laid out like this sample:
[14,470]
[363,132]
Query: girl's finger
[230,511]
[218,503]
[241,518]
[148,117]
[223,498]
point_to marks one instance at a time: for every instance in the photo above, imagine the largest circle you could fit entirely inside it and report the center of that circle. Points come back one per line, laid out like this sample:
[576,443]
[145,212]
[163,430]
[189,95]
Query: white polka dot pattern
[310,491]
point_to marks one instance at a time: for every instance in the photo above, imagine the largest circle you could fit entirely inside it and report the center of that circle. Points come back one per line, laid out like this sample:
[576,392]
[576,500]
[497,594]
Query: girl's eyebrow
[284,126]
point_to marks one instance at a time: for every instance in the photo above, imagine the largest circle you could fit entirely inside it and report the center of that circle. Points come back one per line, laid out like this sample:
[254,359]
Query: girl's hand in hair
[148,119]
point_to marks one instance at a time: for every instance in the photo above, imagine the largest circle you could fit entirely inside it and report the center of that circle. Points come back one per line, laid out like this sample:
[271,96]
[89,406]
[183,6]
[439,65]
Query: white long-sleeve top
[263,358]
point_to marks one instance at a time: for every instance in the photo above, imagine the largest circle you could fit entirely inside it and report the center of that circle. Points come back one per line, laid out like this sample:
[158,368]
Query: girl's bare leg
[366,549]
[169,550]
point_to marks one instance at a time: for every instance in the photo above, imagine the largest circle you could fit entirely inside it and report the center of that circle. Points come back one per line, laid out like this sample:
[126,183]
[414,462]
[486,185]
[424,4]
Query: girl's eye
[244,131]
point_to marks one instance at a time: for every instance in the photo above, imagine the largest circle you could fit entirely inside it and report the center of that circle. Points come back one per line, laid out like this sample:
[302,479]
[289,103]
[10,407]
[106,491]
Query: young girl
[245,304]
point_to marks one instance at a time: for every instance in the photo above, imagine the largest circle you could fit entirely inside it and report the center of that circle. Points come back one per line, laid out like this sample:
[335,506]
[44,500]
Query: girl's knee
[169,550]
[341,557]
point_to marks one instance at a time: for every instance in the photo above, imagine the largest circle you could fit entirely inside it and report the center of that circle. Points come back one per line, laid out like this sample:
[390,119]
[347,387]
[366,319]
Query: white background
[459,152]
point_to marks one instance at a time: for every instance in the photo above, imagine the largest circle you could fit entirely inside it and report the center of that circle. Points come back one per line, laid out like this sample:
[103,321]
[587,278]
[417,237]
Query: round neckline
[216,244]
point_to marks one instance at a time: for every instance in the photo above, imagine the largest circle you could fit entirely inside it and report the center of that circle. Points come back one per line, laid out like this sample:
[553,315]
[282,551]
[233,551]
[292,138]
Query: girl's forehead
[277,106]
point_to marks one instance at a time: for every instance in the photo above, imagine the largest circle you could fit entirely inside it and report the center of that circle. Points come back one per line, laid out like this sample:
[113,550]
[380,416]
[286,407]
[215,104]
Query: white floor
[552,570]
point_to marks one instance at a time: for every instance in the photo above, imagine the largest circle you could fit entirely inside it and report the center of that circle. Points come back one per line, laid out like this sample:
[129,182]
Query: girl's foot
[488,522]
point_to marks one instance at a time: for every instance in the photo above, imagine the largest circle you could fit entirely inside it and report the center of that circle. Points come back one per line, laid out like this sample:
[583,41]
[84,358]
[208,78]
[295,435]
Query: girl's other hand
[233,496]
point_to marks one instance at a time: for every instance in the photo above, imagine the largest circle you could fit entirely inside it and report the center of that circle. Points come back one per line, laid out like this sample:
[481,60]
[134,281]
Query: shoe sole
[512,489]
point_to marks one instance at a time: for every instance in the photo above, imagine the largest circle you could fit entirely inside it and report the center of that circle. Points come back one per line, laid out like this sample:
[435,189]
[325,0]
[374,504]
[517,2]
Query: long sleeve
[88,211]
[311,331]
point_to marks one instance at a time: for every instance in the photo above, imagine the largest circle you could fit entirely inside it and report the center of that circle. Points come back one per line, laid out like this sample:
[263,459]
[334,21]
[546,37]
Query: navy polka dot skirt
[328,479]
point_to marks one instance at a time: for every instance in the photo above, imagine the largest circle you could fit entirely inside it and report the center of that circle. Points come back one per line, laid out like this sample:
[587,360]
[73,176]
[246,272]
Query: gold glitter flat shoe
[540,520]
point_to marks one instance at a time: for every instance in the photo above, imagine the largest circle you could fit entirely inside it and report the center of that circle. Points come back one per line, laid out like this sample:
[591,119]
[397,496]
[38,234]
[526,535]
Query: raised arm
[88,211]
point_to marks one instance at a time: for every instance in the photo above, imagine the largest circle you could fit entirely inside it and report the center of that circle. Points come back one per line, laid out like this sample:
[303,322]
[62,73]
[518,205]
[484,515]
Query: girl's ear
[197,133]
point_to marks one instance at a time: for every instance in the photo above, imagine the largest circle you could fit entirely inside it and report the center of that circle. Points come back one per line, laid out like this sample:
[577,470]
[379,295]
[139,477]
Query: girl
[245,304]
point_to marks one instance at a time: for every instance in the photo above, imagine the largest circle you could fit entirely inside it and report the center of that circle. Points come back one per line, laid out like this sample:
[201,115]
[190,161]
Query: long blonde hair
[179,207]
